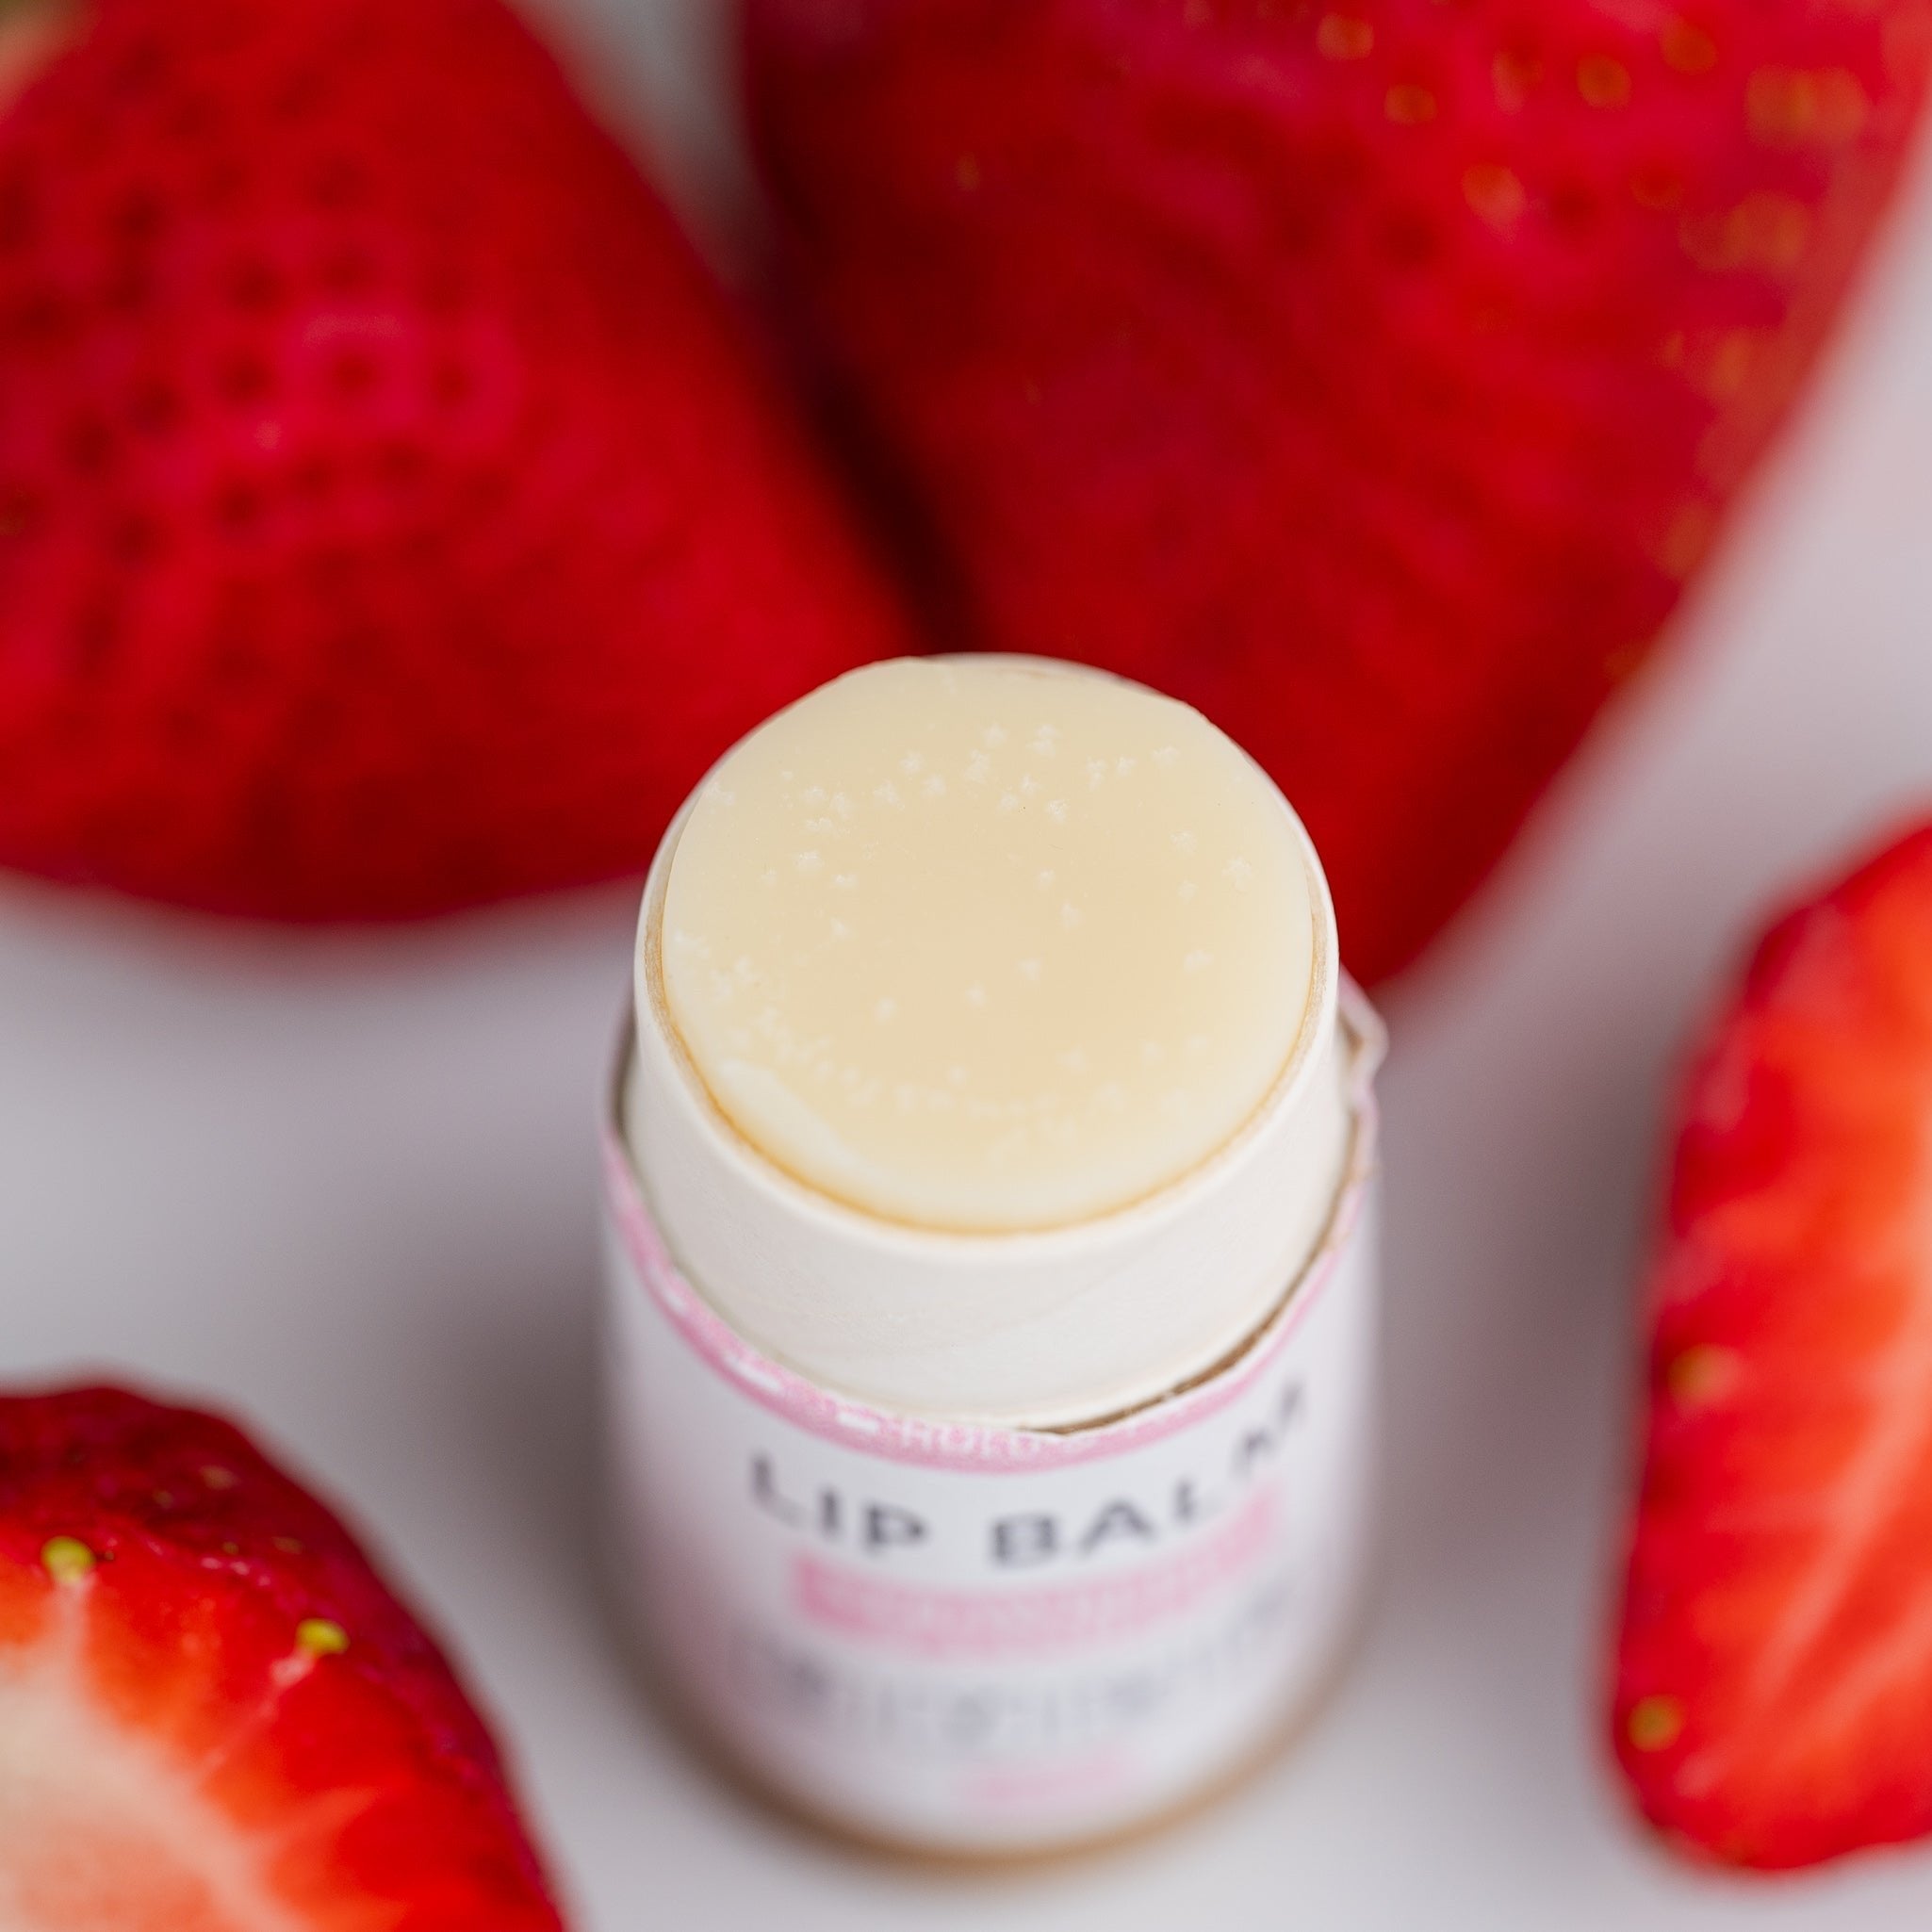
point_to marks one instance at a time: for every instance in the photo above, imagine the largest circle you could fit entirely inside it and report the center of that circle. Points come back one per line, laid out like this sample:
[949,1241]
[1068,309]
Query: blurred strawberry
[213,1717]
[389,516]
[1370,372]
[1774,1680]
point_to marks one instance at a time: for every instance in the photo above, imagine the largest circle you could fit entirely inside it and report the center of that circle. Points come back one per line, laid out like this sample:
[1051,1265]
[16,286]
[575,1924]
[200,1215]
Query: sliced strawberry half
[214,1717]
[1774,1674]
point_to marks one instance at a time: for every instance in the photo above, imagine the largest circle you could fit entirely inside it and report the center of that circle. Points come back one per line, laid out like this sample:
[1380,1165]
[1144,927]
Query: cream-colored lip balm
[985,944]
[997,997]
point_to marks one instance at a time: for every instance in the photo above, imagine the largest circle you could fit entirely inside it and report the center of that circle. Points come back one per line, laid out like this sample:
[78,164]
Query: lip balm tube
[991,1337]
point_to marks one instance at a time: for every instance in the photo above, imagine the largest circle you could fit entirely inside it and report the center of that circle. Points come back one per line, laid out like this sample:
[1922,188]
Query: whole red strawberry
[1774,1671]
[389,516]
[1370,372]
[214,1717]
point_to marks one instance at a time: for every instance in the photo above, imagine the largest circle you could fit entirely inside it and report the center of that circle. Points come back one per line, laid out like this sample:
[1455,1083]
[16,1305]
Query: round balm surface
[987,944]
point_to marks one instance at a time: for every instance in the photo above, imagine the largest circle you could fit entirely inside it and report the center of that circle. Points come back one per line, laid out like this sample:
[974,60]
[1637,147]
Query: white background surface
[345,1185]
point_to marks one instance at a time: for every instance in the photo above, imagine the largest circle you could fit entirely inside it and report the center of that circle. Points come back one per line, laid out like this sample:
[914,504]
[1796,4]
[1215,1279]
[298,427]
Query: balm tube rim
[1030,1328]
[971,1440]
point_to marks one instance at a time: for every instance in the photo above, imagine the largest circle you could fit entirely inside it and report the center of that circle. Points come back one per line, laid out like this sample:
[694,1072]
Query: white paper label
[985,1640]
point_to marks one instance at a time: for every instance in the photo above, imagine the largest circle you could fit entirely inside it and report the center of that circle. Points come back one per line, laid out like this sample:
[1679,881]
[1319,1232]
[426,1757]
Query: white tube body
[974,1640]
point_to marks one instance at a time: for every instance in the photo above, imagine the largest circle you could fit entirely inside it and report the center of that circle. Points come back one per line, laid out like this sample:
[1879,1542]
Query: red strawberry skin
[1773,1700]
[308,1760]
[1372,373]
[390,518]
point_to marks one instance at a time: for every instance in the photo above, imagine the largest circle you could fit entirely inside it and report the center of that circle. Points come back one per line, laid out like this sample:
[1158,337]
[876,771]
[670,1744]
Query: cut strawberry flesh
[103,1828]
[213,1717]
[1774,1702]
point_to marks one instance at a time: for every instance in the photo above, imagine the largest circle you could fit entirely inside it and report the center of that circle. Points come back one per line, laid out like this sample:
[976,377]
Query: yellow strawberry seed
[1655,1723]
[1603,82]
[1701,1374]
[1495,193]
[1688,49]
[319,1637]
[1340,38]
[67,1558]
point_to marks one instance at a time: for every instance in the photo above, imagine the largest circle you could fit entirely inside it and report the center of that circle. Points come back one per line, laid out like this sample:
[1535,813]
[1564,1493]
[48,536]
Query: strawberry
[390,517]
[1372,373]
[214,1717]
[1774,1674]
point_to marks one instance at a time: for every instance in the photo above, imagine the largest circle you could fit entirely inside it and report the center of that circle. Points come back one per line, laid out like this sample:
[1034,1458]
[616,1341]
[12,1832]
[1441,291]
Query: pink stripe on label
[1029,1789]
[1011,1622]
